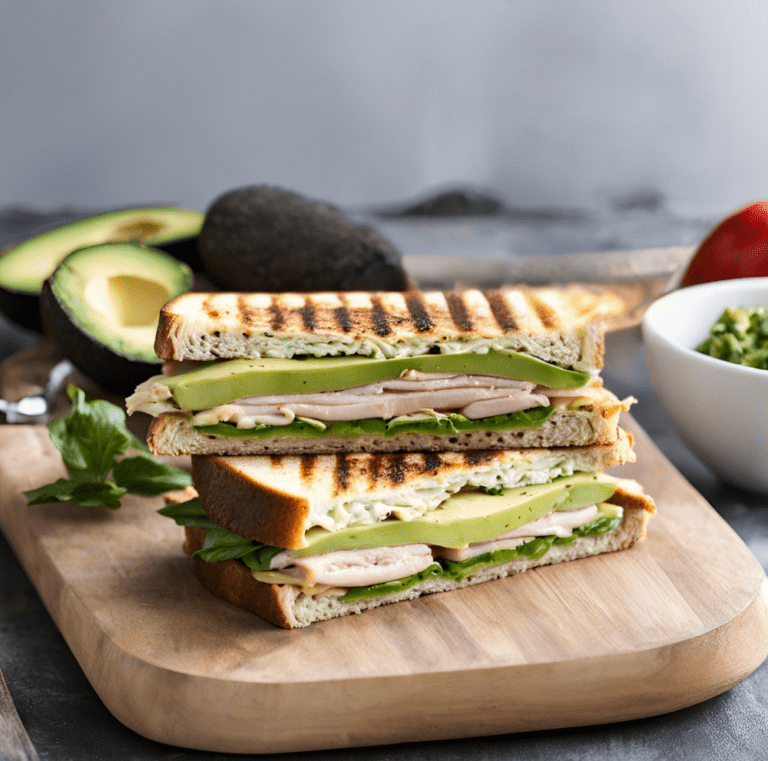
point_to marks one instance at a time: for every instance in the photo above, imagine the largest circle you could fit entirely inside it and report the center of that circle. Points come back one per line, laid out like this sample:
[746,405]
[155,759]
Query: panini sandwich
[299,539]
[379,372]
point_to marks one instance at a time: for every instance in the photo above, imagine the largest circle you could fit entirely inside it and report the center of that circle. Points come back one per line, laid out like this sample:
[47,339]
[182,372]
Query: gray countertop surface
[66,720]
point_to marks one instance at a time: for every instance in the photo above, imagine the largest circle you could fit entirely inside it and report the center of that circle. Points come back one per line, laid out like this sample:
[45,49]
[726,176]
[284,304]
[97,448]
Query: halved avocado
[25,266]
[101,305]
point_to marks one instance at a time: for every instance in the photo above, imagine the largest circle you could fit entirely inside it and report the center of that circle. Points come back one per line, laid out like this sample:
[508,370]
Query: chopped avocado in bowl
[718,408]
[740,335]
[101,305]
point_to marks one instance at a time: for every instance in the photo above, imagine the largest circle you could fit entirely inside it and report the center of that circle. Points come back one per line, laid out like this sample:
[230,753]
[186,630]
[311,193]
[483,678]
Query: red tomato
[737,247]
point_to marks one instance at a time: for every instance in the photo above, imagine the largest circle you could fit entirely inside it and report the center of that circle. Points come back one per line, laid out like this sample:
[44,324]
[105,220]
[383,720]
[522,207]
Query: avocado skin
[23,308]
[112,371]
[185,250]
[262,238]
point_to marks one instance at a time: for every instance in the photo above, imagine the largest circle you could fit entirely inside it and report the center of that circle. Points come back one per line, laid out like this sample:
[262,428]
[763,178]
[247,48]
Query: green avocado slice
[25,266]
[535,549]
[238,378]
[466,518]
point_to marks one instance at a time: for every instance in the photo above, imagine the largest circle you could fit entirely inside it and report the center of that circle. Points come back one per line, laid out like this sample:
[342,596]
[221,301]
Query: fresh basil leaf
[261,557]
[189,513]
[221,544]
[87,493]
[91,435]
[89,439]
[148,477]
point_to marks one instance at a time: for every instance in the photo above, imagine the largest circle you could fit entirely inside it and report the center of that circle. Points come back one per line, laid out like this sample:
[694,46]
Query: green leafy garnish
[433,571]
[220,543]
[740,336]
[90,440]
[447,425]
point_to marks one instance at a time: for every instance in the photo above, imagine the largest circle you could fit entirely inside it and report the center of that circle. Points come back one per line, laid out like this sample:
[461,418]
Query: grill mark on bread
[419,314]
[246,314]
[307,465]
[479,457]
[458,311]
[376,463]
[545,313]
[277,315]
[342,316]
[308,315]
[504,319]
[209,310]
[379,317]
[341,473]
[432,462]
[396,468]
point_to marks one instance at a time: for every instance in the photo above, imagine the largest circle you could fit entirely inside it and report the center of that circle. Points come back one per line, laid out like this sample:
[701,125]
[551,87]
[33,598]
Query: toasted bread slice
[275,500]
[555,325]
[290,607]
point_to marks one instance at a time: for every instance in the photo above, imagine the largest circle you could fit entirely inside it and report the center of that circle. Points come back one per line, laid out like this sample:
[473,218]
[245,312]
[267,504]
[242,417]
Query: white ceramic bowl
[720,409]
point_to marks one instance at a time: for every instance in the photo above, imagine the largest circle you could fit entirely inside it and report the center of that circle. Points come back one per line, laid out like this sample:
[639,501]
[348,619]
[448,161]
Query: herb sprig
[90,439]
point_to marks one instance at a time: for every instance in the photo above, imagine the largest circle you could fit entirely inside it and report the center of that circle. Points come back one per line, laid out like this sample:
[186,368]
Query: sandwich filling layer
[223,382]
[470,531]
[414,402]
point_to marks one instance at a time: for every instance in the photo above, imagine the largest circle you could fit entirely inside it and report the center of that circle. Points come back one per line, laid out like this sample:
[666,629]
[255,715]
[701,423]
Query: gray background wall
[365,102]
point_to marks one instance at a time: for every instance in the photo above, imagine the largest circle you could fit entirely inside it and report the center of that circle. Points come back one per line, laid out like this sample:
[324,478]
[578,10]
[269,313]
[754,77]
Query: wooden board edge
[262,718]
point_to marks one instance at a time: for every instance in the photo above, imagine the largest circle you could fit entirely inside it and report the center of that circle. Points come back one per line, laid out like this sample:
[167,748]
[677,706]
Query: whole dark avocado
[263,238]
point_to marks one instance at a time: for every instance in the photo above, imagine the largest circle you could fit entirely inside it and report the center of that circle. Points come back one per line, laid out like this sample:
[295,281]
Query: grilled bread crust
[594,423]
[269,498]
[287,607]
[556,325]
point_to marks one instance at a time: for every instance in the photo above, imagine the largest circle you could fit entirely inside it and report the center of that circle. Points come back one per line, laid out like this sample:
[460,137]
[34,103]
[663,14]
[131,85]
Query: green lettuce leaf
[220,543]
[450,425]
[433,571]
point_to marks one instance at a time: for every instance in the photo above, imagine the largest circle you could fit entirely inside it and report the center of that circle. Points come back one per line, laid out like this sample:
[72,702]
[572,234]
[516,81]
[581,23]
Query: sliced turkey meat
[557,523]
[411,393]
[474,396]
[356,568]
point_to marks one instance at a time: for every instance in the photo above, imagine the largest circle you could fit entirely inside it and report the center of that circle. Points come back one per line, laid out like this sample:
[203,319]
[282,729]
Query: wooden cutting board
[679,618]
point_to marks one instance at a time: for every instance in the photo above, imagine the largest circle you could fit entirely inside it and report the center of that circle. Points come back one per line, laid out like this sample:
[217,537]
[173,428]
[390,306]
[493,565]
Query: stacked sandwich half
[356,449]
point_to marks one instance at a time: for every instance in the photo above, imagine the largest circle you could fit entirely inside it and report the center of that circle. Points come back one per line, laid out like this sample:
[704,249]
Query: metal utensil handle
[15,744]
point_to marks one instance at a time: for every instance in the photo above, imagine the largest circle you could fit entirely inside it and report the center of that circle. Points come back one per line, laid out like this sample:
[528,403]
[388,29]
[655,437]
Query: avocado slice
[238,378]
[102,304]
[25,266]
[467,517]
